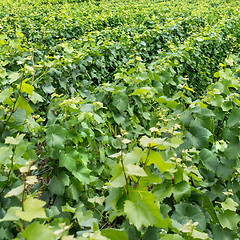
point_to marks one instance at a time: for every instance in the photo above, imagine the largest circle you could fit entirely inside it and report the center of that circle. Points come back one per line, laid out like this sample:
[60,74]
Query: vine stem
[22,201]
[13,109]
[147,158]
[32,56]
[9,173]
[145,163]
[124,171]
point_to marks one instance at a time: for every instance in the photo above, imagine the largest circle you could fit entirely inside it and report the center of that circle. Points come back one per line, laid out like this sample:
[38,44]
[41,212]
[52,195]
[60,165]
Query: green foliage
[119,120]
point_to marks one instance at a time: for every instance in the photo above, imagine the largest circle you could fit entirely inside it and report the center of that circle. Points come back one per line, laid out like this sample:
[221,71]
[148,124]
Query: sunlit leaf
[16,140]
[15,191]
[134,170]
[156,158]
[33,208]
[38,232]
[142,210]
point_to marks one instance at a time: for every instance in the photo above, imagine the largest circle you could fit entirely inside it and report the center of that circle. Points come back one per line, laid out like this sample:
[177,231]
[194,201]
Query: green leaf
[223,233]
[15,43]
[172,237]
[209,160]
[114,234]
[163,190]
[38,231]
[85,219]
[27,88]
[141,91]
[35,97]
[225,73]
[229,204]
[181,190]
[20,116]
[16,140]
[233,117]
[221,145]
[33,126]
[11,214]
[226,106]
[5,233]
[6,152]
[82,173]
[5,94]
[52,212]
[156,158]
[176,142]
[151,142]
[133,157]
[56,186]
[119,119]
[22,103]
[134,170]
[33,208]
[199,235]
[151,233]
[118,179]
[120,101]
[56,136]
[229,219]
[198,135]
[14,77]
[142,210]
[216,100]
[15,191]
[69,160]
[185,212]
[167,102]
[150,178]
[207,204]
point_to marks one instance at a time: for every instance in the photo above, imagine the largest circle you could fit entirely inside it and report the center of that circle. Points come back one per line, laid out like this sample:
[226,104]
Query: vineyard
[120,120]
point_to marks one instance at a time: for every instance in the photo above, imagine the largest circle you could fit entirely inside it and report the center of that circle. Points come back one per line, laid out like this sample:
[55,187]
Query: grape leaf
[185,212]
[229,204]
[15,191]
[11,214]
[56,186]
[156,158]
[56,136]
[134,170]
[142,210]
[114,234]
[33,208]
[120,101]
[38,231]
[229,219]
[16,140]
[181,190]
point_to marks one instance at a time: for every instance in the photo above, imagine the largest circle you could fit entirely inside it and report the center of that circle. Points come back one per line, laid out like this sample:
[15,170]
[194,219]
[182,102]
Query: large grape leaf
[82,173]
[56,186]
[209,160]
[185,212]
[38,231]
[233,117]
[5,154]
[156,158]
[198,135]
[142,210]
[33,208]
[229,219]
[120,101]
[181,190]
[114,234]
[56,136]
